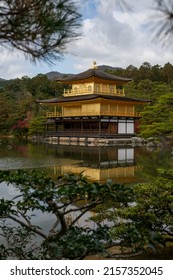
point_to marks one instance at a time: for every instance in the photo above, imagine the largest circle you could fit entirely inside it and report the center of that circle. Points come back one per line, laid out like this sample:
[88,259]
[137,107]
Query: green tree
[141,216]
[41,87]
[157,119]
[149,221]
[144,71]
[67,200]
[156,73]
[17,101]
[21,115]
[145,88]
[37,126]
[131,71]
[167,73]
[5,105]
[39,28]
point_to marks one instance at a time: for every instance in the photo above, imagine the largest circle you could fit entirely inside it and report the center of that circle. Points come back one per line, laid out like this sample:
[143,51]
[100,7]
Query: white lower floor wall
[126,127]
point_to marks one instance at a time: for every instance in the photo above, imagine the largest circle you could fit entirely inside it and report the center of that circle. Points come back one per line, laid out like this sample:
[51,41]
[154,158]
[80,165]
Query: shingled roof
[94,73]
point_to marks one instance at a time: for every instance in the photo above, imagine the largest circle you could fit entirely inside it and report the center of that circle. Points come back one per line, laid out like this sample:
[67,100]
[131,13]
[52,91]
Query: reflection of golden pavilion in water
[121,174]
[98,163]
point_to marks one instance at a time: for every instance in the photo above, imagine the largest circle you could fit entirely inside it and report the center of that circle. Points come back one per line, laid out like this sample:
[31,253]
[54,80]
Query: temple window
[89,88]
[97,88]
[111,89]
[75,89]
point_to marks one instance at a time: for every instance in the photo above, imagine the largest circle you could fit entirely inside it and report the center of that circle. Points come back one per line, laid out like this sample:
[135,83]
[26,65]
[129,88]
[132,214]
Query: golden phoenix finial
[94,65]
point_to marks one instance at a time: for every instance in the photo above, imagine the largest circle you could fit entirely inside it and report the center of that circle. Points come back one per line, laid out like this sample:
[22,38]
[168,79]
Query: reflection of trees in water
[152,160]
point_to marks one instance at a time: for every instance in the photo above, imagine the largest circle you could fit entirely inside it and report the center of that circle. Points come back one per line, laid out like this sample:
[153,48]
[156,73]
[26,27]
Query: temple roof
[94,72]
[90,97]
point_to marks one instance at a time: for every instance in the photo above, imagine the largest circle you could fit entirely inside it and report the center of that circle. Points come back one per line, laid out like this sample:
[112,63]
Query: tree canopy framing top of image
[39,28]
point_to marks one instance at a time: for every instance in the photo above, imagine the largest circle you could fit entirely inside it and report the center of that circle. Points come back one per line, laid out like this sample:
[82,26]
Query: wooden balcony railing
[93,113]
[85,90]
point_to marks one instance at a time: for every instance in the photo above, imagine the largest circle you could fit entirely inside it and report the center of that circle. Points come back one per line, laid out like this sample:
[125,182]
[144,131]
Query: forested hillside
[20,112]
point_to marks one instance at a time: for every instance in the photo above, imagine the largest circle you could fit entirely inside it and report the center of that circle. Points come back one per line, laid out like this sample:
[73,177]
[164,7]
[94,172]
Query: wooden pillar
[81,129]
[99,126]
[54,111]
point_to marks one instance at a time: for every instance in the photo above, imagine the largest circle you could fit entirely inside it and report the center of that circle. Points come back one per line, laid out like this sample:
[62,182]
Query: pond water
[125,164]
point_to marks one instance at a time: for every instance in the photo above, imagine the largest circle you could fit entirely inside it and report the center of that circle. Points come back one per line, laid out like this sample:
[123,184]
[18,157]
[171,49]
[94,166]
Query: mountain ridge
[53,75]
[58,75]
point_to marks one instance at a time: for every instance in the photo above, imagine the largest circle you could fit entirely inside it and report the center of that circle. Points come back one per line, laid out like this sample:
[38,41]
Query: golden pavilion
[93,105]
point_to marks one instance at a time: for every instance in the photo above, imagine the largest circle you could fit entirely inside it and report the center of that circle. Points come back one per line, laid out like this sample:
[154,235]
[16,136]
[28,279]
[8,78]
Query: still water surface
[124,163]
[121,164]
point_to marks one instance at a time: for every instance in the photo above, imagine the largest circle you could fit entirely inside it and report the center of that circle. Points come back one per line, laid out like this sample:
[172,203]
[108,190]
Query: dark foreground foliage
[82,217]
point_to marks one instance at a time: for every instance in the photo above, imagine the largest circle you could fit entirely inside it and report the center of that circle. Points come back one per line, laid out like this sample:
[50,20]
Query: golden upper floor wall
[94,88]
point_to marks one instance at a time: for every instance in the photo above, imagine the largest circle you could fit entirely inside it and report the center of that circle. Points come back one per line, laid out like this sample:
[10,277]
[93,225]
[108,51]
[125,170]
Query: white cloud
[120,38]
[13,64]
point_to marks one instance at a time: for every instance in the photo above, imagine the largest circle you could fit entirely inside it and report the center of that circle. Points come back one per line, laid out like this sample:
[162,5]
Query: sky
[112,34]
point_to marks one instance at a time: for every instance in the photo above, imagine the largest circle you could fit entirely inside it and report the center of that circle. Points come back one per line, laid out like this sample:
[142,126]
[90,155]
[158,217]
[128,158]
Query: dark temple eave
[86,97]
